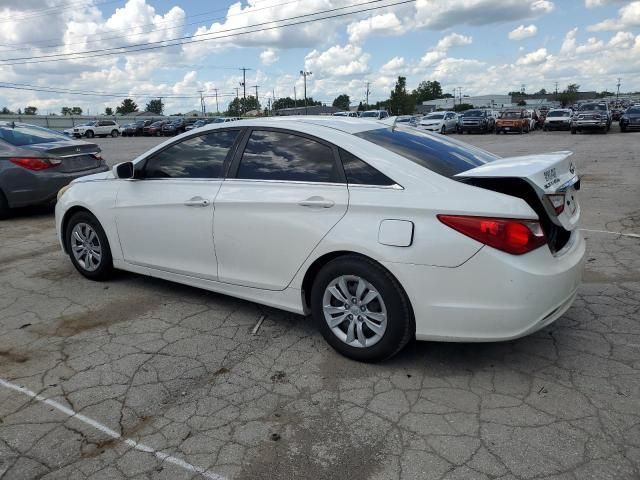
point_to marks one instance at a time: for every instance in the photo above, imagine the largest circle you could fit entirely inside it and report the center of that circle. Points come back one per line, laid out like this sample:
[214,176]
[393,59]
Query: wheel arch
[65,222]
[321,261]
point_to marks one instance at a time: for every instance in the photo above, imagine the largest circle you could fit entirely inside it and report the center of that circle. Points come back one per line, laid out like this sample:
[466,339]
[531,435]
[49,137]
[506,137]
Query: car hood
[631,115]
[431,122]
[108,175]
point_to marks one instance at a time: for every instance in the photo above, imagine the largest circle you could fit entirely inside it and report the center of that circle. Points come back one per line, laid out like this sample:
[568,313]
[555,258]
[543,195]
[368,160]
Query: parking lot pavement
[139,378]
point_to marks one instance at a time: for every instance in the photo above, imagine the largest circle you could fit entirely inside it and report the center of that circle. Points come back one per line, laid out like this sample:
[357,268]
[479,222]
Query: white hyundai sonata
[383,233]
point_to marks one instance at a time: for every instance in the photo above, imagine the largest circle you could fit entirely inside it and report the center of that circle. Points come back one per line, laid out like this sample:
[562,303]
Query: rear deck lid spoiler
[549,174]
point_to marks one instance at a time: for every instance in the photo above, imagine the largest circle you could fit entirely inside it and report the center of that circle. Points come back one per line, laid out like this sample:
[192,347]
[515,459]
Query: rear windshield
[437,153]
[511,115]
[22,135]
[474,113]
[370,114]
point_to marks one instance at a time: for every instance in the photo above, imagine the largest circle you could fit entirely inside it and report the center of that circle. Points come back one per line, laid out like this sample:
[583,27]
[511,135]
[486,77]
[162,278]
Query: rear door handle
[197,202]
[317,202]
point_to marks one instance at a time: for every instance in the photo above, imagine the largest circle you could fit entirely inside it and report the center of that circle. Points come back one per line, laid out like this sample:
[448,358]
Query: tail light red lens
[513,236]
[34,163]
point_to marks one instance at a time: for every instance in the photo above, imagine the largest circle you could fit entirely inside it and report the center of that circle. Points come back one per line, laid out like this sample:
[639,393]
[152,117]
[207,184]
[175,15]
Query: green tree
[155,106]
[285,102]
[30,110]
[76,111]
[427,90]
[569,94]
[542,91]
[461,107]
[65,111]
[362,107]
[342,102]
[400,102]
[127,106]
[108,111]
[522,103]
[6,111]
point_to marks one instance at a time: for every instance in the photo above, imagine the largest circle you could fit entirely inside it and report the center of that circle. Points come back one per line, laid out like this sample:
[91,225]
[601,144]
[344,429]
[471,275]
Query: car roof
[344,124]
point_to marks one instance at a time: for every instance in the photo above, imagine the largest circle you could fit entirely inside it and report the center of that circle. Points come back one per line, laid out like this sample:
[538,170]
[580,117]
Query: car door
[284,192]
[450,122]
[164,217]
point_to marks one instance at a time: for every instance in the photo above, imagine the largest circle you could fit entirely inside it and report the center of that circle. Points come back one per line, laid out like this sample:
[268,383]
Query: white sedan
[383,233]
[441,122]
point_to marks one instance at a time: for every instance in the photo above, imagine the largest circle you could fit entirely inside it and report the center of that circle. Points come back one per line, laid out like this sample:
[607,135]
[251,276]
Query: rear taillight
[509,235]
[557,201]
[34,163]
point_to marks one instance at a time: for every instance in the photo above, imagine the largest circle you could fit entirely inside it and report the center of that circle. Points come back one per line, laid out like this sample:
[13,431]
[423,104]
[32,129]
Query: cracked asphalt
[178,386]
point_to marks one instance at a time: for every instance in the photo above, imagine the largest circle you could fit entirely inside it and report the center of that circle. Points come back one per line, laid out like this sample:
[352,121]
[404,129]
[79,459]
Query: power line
[154,45]
[153,30]
[48,11]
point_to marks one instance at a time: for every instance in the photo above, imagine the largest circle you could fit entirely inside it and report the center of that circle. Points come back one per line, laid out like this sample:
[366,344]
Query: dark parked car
[137,128]
[630,120]
[477,120]
[174,127]
[35,163]
[591,116]
[155,129]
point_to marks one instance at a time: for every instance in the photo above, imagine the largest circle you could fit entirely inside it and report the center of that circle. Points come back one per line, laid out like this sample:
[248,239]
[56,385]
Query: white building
[478,101]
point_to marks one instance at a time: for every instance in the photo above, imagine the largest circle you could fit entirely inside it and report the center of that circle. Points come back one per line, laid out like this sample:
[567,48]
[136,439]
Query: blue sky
[483,46]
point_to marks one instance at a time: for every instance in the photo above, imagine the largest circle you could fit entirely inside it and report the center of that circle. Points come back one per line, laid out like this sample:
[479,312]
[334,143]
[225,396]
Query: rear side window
[271,155]
[359,172]
[197,157]
[437,153]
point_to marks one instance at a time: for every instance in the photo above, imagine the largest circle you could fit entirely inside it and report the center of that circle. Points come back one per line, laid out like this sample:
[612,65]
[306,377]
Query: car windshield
[369,114]
[218,120]
[434,116]
[558,113]
[439,154]
[473,113]
[592,106]
[157,124]
[21,135]
[510,115]
[634,110]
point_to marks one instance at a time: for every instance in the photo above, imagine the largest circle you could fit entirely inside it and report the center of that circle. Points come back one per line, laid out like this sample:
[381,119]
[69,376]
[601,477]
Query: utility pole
[295,97]
[216,92]
[367,92]
[556,91]
[243,84]
[460,93]
[202,106]
[256,87]
[618,92]
[304,75]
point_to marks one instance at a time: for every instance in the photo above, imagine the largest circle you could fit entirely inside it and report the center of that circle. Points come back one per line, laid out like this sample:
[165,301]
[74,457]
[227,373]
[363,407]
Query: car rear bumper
[35,188]
[493,296]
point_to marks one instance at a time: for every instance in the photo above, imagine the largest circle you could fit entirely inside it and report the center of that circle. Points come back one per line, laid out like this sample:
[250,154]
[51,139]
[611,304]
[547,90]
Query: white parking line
[632,235]
[112,433]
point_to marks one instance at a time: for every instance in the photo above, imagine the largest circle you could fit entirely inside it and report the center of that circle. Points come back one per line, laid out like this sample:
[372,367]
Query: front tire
[443,130]
[88,247]
[115,133]
[361,309]
[89,134]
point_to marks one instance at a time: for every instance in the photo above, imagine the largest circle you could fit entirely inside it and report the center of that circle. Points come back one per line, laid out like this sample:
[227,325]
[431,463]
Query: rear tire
[443,130]
[85,241]
[4,207]
[89,134]
[115,133]
[384,323]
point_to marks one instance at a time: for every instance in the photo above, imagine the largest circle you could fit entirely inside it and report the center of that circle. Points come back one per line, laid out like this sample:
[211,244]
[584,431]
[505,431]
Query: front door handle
[317,202]
[197,202]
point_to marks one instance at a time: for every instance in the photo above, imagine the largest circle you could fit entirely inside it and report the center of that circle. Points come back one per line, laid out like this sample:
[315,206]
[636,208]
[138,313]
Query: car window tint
[197,157]
[21,135]
[282,156]
[359,172]
[440,154]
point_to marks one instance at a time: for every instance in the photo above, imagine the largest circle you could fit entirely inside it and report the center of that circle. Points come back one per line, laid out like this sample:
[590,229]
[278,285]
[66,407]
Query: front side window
[273,155]
[359,172]
[197,157]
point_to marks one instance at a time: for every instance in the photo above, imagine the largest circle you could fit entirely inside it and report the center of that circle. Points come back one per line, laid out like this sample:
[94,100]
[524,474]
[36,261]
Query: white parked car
[383,233]
[98,128]
[345,114]
[374,114]
[441,122]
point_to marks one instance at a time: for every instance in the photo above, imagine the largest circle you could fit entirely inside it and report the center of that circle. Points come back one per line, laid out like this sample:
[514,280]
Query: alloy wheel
[85,246]
[354,311]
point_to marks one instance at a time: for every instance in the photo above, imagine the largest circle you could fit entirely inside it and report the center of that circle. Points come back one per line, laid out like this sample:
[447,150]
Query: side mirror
[123,170]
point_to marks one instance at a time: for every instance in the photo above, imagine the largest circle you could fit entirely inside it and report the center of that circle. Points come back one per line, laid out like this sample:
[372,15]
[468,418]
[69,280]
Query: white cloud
[394,67]
[523,32]
[269,56]
[628,17]
[601,3]
[533,58]
[338,61]
[383,24]
[453,40]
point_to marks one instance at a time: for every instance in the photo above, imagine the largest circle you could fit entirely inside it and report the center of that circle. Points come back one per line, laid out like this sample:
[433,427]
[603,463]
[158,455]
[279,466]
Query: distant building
[478,101]
[310,110]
